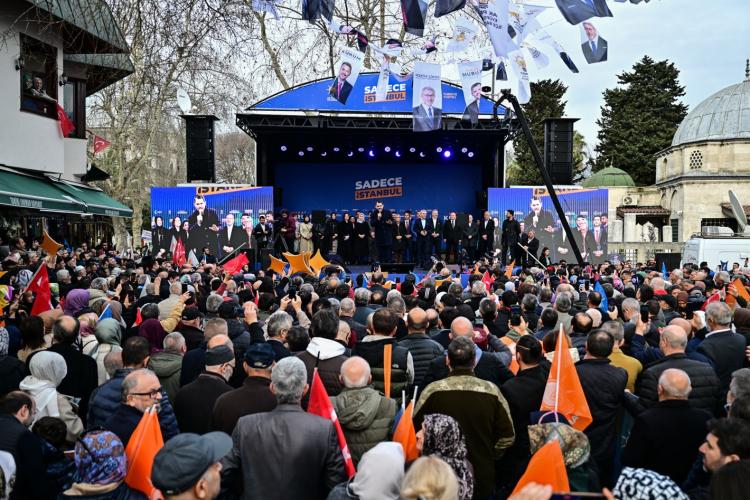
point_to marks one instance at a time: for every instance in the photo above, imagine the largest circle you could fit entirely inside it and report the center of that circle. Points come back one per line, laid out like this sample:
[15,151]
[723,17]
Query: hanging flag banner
[381,91]
[313,9]
[494,15]
[464,32]
[444,7]
[414,13]
[100,144]
[518,63]
[266,6]
[545,37]
[594,47]
[576,11]
[540,59]
[349,66]
[427,98]
[522,19]
[471,83]
[501,74]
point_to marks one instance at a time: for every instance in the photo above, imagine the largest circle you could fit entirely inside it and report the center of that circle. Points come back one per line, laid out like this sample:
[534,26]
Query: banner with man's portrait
[494,14]
[593,46]
[427,97]
[471,83]
[347,71]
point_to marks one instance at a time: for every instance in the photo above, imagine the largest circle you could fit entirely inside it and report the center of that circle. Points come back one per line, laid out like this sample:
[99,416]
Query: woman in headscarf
[76,300]
[48,369]
[101,467]
[378,477]
[12,370]
[442,437]
[306,235]
[152,331]
[108,334]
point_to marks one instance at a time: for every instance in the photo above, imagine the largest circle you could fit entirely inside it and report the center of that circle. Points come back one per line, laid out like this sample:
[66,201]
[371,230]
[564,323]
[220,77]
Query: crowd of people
[227,362]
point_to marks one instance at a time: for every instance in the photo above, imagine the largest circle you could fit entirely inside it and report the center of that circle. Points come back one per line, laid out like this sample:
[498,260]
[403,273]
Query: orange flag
[564,393]
[406,435]
[144,444]
[546,467]
[49,245]
[387,361]
[509,270]
[741,291]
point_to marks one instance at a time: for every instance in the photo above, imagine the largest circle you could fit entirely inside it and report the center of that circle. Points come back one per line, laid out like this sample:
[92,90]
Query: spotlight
[421,154]
[387,149]
[309,148]
[324,153]
[361,150]
[447,153]
[371,153]
[283,148]
[398,154]
[471,154]
[439,149]
[464,150]
[336,149]
[412,150]
[301,153]
[350,154]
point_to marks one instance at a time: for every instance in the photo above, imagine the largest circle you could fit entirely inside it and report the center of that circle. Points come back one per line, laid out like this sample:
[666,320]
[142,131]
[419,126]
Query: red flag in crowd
[178,257]
[39,284]
[487,280]
[321,406]
[546,467]
[144,444]
[100,144]
[235,265]
[66,126]
[716,297]
[138,317]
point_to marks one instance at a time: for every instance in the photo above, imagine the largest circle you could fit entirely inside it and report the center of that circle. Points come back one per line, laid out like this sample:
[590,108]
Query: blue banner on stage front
[585,210]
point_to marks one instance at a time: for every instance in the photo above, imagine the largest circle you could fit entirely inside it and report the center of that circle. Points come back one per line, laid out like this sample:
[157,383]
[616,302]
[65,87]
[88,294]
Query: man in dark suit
[530,243]
[422,233]
[407,230]
[263,232]
[435,228]
[485,234]
[575,11]
[725,348]
[599,234]
[471,113]
[595,48]
[382,223]
[340,89]
[426,116]
[451,236]
[231,237]
[541,222]
[584,238]
[204,224]
[509,238]
[469,237]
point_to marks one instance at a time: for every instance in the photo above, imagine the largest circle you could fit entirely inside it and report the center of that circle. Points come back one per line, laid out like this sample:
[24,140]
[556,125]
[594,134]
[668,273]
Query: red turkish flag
[321,406]
[39,285]
[235,265]
[66,126]
[178,257]
[487,280]
[100,144]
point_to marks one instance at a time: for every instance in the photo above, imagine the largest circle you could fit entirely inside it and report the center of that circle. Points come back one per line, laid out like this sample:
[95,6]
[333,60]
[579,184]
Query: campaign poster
[518,63]
[471,83]
[464,32]
[217,217]
[494,15]
[349,66]
[585,210]
[593,46]
[427,97]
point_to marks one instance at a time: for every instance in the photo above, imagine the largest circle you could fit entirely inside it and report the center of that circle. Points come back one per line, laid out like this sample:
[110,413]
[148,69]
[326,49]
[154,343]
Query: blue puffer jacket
[107,397]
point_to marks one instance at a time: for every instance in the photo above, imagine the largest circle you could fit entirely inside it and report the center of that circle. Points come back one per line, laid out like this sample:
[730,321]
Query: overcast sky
[707,40]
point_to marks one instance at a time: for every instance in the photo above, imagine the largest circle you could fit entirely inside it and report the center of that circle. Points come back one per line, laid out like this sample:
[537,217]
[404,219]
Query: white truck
[718,245]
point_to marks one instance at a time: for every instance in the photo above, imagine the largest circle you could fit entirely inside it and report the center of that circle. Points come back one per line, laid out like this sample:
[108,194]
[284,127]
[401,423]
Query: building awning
[95,200]
[726,209]
[27,191]
[643,210]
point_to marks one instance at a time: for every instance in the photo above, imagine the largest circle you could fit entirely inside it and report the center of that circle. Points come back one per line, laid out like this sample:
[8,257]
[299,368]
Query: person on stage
[361,239]
[263,232]
[345,234]
[306,235]
[530,244]
[511,231]
[435,228]
[584,239]
[286,228]
[381,221]
[451,237]
[422,239]
[485,234]
[159,236]
[330,234]
[399,238]
[469,238]
[178,234]
[230,237]
[540,221]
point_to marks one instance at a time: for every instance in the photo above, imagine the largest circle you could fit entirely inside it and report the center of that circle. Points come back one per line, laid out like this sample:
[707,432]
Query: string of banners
[515,35]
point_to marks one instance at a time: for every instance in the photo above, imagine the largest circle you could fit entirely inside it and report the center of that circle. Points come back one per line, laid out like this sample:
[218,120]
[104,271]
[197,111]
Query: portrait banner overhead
[414,13]
[593,46]
[349,66]
[427,97]
[576,11]
[471,83]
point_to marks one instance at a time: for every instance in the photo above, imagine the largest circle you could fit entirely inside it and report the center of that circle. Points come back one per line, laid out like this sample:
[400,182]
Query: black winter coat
[423,350]
[26,448]
[726,350]
[194,403]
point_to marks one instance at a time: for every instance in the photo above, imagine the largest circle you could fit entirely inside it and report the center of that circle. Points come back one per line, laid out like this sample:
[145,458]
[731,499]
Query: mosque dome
[609,177]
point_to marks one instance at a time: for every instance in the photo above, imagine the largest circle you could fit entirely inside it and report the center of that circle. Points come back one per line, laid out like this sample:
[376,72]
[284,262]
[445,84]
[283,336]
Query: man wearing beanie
[194,403]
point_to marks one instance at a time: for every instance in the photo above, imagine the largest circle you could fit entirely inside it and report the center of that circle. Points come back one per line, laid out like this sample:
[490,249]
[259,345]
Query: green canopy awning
[95,200]
[25,191]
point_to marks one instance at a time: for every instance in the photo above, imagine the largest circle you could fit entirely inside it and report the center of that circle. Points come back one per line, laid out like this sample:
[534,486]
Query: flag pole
[227,256]
[559,355]
[527,253]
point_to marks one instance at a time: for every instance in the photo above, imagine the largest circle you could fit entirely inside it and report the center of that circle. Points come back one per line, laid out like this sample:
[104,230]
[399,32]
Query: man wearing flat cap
[194,403]
[254,396]
[188,466]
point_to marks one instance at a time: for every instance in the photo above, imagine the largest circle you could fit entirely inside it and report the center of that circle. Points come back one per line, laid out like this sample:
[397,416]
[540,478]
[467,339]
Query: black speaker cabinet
[199,147]
[671,259]
[558,149]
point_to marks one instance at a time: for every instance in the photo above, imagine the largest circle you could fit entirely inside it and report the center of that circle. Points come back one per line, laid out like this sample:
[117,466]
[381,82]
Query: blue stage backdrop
[585,209]
[356,187]
[245,203]
[314,95]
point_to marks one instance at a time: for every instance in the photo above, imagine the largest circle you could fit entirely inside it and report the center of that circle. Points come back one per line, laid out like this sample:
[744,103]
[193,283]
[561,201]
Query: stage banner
[585,209]
[206,215]
[427,97]
[349,66]
[445,186]
[471,82]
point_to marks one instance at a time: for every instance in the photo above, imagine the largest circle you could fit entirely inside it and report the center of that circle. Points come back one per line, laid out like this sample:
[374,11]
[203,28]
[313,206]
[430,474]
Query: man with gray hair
[739,387]
[725,348]
[665,438]
[140,391]
[365,415]
[346,314]
[362,302]
[167,305]
[267,446]
[563,304]
[705,385]
[277,326]
[213,302]
[619,358]
[167,364]
[97,291]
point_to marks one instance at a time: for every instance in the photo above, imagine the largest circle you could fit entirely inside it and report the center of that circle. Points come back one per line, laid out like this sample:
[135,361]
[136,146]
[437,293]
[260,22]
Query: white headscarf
[47,369]
[380,473]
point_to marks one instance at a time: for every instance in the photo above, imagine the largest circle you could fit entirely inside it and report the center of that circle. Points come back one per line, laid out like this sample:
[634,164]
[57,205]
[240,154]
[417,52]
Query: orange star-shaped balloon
[297,264]
[49,245]
[317,263]
[277,265]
